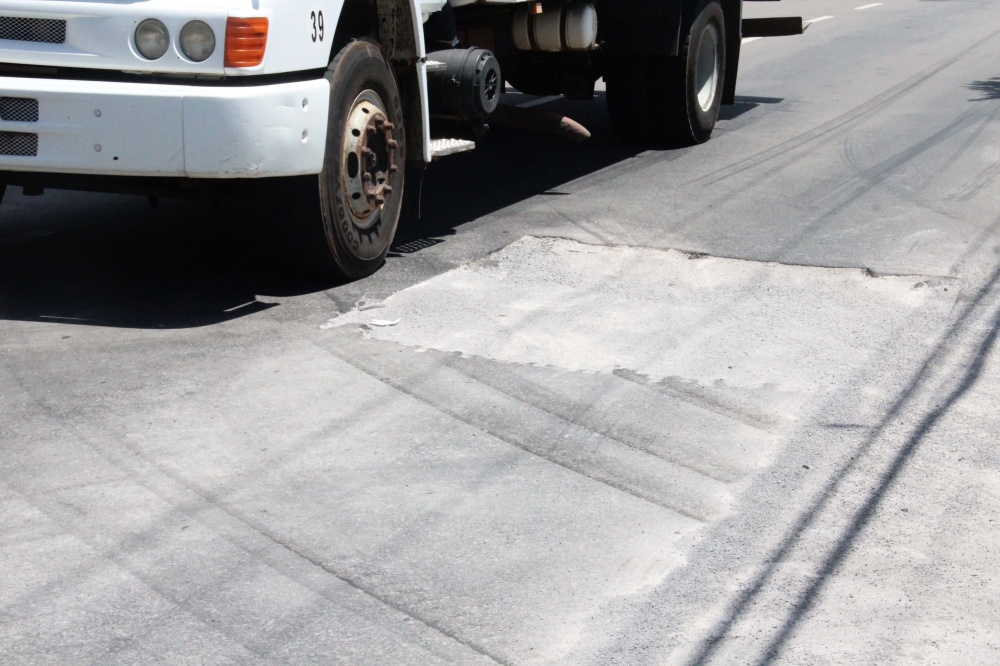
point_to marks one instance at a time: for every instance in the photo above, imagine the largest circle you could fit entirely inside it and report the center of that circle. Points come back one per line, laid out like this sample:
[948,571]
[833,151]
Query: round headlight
[152,39]
[197,41]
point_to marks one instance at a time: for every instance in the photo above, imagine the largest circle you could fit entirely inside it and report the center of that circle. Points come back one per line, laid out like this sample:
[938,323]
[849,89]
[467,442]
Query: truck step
[444,147]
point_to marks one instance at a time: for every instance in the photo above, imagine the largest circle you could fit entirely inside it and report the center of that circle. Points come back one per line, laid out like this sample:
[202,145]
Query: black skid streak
[114,555]
[857,113]
[869,178]
[494,382]
[317,561]
[698,398]
[458,416]
[286,545]
[788,149]
[969,142]
[981,180]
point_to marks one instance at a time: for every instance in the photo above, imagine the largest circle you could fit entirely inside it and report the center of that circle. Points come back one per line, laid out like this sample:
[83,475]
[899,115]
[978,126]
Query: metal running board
[444,147]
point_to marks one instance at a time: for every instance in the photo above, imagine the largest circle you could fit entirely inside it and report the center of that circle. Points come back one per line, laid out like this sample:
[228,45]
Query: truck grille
[46,31]
[19,109]
[18,143]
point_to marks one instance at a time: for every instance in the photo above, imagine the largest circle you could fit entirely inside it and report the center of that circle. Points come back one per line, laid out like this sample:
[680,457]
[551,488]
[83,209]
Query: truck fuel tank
[567,28]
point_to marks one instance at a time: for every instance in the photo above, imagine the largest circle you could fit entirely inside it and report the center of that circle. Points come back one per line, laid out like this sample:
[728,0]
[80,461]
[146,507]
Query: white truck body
[182,128]
[333,102]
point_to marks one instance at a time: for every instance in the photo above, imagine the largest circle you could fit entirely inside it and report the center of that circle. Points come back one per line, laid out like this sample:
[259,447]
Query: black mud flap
[733,10]
[781,26]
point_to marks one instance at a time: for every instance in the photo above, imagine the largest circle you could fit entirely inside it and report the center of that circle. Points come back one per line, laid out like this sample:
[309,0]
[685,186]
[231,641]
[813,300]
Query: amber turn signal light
[246,41]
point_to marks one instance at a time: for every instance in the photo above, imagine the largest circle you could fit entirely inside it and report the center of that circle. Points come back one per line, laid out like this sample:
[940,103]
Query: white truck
[340,99]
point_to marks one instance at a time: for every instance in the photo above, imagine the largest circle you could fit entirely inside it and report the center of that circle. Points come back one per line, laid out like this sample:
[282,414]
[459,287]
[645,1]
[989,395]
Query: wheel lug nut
[393,168]
[389,126]
[366,177]
[392,143]
[387,189]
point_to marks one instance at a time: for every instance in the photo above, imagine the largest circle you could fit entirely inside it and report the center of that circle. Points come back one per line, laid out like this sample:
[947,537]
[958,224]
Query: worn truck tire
[360,190]
[667,99]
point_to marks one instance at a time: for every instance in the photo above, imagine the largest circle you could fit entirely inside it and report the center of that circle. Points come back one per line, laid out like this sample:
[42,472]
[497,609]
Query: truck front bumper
[147,129]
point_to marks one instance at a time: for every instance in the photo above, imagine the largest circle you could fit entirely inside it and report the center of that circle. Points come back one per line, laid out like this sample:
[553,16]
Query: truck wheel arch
[397,27]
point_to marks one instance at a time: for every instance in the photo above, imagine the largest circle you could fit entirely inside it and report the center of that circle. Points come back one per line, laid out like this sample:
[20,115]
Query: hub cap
[369,161]
[707,67]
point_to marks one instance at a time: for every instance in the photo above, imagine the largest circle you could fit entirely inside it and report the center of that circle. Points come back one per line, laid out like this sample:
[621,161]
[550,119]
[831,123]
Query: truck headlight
[152,39]
[197,41]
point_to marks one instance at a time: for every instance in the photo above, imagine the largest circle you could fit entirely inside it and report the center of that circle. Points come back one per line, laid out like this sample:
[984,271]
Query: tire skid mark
[700,398]
[167,484]
[533,394]
[546,435]
[971,187]
[872,177]
[65,519]
[987,121]
[856,114]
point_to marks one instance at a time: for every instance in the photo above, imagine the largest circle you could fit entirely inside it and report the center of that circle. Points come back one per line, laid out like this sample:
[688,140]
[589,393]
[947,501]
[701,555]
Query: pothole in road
[769,333]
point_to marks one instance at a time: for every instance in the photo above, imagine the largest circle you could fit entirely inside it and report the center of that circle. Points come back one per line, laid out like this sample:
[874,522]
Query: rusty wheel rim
[368,166]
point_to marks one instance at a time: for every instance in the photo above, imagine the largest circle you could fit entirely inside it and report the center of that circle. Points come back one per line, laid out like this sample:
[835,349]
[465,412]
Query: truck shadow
[108,260]
[513,165]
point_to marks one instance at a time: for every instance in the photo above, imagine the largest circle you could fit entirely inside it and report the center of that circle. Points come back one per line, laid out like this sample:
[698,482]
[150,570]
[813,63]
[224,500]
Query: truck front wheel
[668,99]
[360,191]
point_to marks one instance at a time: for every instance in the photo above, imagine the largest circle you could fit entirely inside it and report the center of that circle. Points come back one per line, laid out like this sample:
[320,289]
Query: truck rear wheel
[667,99]
[360,190]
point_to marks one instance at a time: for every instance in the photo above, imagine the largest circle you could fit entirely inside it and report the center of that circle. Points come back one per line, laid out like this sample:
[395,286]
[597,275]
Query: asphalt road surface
[732,404]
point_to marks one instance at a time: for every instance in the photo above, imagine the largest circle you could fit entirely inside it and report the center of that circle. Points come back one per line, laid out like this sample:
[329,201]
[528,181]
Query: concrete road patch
[740,329]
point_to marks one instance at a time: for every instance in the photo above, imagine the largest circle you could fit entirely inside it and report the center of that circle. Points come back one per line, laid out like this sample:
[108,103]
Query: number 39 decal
[317,21]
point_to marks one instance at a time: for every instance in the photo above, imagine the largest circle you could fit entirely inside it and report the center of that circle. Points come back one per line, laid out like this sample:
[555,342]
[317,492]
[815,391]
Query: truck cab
[337,103]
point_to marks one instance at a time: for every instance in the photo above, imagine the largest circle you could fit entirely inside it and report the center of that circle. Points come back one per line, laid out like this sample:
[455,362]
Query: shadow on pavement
[989,89]
[109,260]
[961,382]
[509,166]
[745,104]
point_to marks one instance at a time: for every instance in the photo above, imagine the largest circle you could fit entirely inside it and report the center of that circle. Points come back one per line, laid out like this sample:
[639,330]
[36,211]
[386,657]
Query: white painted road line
[874,4]
[747,40]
